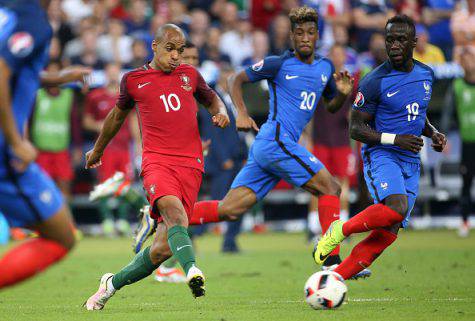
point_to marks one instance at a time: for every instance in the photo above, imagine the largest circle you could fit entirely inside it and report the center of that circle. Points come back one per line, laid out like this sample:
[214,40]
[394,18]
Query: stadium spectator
[198,27]
[76,10]
[376,55]
[237,43]
[279,35]
[51,132]
[139,55]
[426,52]
[115,46]
[178,14]
[87,53]
[411,8]
[334,150]
[341,38]
[464,94]
[262,13]
[229,16]
[260,48]
[138,22]
[463,27]
[369,16]
[210,50]
[436,16]
[117,156]
[61,28]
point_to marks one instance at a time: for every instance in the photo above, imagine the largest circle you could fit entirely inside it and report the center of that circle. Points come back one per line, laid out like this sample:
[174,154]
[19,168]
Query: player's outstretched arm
[64,76]
[21,147]
[243,121]
[361,131]
[112,124]
[438,139]
[344,86]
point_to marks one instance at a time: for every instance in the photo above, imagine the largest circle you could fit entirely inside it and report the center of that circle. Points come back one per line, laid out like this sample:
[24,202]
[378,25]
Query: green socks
[180,244]
[140,267]
[170,263]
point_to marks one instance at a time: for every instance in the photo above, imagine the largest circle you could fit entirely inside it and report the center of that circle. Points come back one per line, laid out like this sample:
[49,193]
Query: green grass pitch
[423,276]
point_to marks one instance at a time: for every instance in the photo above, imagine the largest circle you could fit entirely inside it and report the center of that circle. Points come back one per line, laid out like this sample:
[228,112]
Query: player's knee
[231,211]
[174,216]
[68,242]
[398,205]
[332,188]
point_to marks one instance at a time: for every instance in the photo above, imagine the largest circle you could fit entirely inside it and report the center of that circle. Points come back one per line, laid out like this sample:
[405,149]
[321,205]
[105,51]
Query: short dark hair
[301,15]
[404,19]
[189,44]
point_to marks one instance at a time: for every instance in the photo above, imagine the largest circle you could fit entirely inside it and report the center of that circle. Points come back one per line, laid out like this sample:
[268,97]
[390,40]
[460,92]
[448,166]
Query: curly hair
[301,15]
[404,19]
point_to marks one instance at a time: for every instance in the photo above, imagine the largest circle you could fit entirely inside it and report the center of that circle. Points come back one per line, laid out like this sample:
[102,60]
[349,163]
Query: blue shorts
[270,161]
[29,197]
[386,174]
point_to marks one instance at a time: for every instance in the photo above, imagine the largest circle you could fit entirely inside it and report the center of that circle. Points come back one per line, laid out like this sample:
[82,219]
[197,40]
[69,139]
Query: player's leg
[467,170]
[386,183]
[142,265]
[250,185]
[32,200]
[368,250]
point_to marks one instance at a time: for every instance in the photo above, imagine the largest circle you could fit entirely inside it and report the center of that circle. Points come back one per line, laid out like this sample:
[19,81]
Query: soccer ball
[325,290]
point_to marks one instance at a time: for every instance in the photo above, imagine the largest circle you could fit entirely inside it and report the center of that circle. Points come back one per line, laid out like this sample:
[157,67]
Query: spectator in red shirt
[263,11]
[117,156]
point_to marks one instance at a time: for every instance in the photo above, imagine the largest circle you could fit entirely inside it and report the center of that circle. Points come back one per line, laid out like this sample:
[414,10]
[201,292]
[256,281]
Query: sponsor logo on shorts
[313,159]
[384,186]
[46,196]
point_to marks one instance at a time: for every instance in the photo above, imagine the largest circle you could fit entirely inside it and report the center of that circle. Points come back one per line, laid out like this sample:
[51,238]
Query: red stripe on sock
[365,252]
[373,217]
[28,259]
[329,211]
[205,212]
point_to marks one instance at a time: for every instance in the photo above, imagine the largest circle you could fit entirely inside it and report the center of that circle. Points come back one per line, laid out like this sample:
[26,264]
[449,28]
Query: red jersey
[99,102]
[167,113]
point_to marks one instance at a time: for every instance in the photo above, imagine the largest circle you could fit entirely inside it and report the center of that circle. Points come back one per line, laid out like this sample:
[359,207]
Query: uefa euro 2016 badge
[359,100]
[186,82]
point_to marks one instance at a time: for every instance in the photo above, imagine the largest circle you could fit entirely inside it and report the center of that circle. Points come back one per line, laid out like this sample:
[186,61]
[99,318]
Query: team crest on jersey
[359,100]
[427,88]
[186,82]
[21,44]
[258,65]
[324,79]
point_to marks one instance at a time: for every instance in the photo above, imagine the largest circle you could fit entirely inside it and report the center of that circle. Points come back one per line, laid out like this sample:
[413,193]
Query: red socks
[205,212]
[373,217]
[329,211]
[365,252]
[28,259]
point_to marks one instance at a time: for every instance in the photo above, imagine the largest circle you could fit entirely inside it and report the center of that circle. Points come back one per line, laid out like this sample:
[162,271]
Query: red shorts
[56,164]
[339,161]
[115,161]
[162,180]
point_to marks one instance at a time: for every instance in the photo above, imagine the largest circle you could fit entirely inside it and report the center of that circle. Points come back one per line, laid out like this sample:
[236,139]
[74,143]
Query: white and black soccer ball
[325,290]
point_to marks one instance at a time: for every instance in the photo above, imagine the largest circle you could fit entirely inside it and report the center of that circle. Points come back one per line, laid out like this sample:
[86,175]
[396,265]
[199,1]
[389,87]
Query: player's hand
[220,120]
[77,73]
[438,141]
[344,82]
[228,164]
[245,123]
[93,159]
[411,143]
[25,153]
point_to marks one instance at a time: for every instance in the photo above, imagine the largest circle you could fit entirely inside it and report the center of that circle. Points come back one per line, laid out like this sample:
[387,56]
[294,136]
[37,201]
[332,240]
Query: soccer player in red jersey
[164,93]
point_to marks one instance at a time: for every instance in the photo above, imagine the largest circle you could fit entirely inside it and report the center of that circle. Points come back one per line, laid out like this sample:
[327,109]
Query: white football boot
[103,294]
[196,281]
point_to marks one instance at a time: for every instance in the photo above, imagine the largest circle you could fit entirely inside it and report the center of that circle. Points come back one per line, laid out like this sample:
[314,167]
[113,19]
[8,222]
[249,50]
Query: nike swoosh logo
[179,248]
[288,77]
[142,85]
[324,257]
[392,94]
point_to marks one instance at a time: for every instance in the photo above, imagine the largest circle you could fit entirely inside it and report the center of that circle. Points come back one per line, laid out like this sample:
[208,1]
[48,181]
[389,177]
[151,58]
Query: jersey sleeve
[203,93]
[264,69]
[330,89]
[125,100]
[367,98]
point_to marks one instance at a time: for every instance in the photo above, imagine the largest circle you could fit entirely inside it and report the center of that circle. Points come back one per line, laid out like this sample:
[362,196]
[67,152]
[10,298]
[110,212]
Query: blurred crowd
[112,36]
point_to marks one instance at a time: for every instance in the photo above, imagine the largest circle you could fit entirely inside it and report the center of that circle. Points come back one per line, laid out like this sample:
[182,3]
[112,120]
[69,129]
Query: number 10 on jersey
[171,102]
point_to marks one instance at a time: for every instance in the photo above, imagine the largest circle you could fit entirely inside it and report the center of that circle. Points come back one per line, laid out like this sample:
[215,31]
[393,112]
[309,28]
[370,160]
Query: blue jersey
[294,91]
[398,101]
[25,35]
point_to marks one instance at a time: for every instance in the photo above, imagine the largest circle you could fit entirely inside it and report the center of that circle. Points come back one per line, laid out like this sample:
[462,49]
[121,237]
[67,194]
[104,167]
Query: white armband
[388,139]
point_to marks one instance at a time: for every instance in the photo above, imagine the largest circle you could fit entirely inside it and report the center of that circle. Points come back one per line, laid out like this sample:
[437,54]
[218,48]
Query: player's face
[190,56]
[400,43]
[168,52]
[304,37]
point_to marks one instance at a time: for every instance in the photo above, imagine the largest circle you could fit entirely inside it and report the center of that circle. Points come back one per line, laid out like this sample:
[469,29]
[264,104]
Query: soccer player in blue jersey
[389,116]
[28,198]
[297,81]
